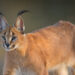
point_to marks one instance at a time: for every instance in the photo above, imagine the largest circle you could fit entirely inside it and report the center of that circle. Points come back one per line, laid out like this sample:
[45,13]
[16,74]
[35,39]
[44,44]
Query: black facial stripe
[13,38]
[4,33]
[12,34]
[4,38]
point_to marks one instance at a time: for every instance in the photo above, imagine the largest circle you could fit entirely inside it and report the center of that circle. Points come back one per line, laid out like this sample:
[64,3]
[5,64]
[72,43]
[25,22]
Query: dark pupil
[13,38]
[3,37]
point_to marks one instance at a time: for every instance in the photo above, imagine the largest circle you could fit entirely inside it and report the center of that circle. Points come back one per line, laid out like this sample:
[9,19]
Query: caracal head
[12,36]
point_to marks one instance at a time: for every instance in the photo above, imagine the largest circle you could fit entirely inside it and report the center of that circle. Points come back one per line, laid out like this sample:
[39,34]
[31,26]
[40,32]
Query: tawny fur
[42,50]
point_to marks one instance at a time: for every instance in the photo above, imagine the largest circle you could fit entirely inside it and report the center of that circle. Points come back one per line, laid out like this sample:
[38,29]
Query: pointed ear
[20,24]
[3,23]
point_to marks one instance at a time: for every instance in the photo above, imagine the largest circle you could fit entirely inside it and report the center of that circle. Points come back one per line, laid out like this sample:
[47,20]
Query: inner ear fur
[20,24]
[3,23]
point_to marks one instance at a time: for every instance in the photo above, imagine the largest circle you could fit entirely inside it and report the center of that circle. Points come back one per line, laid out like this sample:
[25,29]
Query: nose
[7,44]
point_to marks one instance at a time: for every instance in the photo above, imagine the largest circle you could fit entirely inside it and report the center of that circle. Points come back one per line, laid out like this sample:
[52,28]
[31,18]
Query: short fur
[39,51]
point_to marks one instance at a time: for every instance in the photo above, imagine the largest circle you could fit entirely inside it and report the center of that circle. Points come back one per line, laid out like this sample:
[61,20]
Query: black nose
[7,44]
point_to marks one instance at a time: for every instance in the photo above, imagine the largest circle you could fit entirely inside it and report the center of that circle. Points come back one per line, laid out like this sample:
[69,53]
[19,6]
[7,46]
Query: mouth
[9,48]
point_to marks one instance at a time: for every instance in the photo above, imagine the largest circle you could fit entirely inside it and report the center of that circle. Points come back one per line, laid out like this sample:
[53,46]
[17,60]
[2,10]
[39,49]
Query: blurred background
[42,13]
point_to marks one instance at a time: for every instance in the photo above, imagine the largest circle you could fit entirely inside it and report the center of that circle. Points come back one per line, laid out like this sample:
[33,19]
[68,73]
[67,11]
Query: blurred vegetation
[42,13]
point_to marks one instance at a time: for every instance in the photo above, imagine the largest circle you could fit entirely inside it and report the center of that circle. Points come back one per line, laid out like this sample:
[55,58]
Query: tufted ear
[20,24]
[3,23]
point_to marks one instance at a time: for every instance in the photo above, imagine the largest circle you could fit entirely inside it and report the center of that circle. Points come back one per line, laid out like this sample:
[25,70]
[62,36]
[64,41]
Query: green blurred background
[42,13]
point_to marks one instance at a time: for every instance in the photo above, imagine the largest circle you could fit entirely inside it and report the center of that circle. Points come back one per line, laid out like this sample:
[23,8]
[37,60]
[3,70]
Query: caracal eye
[14,38]
[3,37]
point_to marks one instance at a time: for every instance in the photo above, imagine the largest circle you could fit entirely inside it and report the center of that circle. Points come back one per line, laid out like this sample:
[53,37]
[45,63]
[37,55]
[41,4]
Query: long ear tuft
[1,14]
[22,12]
[19,21]
[3,22]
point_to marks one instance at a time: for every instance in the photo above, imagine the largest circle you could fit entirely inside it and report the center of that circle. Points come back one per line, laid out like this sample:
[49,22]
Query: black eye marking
[3,37]
[13,46]
[5,33]
[12,33]
[13,38]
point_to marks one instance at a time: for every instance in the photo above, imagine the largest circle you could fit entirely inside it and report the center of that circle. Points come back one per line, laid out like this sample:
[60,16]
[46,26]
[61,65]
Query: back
[55,43]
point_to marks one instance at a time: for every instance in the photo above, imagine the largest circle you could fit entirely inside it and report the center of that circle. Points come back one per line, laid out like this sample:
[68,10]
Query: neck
[23,47]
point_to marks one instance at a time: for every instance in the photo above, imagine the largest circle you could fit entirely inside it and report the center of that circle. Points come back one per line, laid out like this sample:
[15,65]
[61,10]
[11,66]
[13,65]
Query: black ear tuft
[22,12]
[1,13]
